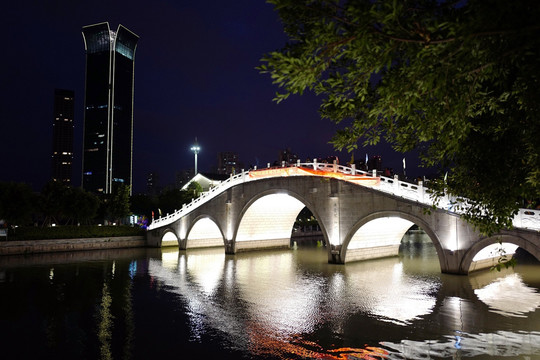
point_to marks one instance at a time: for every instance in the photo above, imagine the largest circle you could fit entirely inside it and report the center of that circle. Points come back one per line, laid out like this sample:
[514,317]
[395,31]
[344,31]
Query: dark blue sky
[195,76]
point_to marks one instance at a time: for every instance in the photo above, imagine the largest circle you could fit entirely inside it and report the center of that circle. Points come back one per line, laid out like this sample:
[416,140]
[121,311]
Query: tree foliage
[16,203]
[61,204]
[118,203]
[194,189]
[82,206]
[457,81]
[172,199]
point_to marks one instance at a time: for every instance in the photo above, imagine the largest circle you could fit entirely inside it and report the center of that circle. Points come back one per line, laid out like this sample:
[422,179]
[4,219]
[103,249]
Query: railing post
[421,191]
[353,167]
[374,172]
[520,218]
[335,165]
[283,163]
[315,164]
[396,185]
[268,165]
[298,162]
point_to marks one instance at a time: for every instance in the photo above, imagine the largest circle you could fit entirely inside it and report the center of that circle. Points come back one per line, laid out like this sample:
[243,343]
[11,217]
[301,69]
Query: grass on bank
[72,232]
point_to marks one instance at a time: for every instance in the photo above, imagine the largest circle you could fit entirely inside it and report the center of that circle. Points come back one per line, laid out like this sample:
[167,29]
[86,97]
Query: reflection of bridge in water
[361,216]
[253,301]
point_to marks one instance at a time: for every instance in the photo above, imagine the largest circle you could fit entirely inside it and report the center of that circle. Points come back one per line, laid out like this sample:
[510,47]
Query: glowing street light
[195,148]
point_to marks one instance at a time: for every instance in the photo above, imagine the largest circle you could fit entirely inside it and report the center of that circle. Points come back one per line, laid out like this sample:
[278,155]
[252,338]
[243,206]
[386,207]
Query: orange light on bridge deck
[294,170]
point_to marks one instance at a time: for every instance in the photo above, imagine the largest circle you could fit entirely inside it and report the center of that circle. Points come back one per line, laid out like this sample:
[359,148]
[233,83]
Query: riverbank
[58,245]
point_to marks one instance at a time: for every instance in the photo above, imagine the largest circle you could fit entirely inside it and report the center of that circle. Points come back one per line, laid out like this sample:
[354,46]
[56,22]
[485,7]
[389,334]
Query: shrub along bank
[71,232]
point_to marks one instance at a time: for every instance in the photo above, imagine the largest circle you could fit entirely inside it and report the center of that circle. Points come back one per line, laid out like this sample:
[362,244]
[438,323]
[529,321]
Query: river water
[283,304]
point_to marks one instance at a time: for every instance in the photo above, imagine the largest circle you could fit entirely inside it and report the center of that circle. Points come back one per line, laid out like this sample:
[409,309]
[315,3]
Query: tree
[54,202]
[194,189]
[142,204]
[64,204]
[82,205]
[457,81]
[16,203]
[118,203]
[172,199]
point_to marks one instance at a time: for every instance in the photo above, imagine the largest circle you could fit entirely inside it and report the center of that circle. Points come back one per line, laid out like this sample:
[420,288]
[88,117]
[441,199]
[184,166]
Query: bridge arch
[205,231]
[397,223]
[170,237]
[279,209]
[516,239]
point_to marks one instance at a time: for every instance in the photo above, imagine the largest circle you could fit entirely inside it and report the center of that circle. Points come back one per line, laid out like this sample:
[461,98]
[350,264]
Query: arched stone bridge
[361,216]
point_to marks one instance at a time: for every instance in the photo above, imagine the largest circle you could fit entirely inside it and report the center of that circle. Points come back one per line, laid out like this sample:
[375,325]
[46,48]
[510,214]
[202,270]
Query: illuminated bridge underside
[205,233]
[378,238]
[358,220]
[268,222]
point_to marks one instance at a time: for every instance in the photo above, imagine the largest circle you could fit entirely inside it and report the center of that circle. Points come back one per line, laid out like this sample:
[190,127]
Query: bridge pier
[452,262]
[182,244]
[229,247]
[334,255]
[153,239]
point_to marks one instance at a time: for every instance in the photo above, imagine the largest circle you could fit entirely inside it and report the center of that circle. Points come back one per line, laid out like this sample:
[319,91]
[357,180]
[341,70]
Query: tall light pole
[195,148]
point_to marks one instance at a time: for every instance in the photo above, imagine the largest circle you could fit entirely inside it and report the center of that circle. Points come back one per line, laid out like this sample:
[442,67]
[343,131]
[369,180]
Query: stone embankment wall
[58,245]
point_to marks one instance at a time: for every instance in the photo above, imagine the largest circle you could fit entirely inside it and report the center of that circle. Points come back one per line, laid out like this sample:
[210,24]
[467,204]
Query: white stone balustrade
[526,218]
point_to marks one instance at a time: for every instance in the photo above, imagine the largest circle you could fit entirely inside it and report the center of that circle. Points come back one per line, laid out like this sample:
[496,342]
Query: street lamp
[195,148]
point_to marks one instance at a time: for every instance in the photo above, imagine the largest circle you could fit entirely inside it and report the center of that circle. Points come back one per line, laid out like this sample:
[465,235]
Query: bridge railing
[528,219]
[416,192]
[394,186]
[203,198]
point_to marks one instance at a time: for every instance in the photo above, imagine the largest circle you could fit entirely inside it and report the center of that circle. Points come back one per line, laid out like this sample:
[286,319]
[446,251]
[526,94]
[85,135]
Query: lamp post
[195,148]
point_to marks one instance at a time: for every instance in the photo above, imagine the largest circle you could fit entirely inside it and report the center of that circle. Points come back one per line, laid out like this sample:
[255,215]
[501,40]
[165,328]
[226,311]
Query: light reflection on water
[509,296]
[286,304]
[287,297]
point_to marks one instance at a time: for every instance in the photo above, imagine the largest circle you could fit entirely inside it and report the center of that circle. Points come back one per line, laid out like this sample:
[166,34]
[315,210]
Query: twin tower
[108,107]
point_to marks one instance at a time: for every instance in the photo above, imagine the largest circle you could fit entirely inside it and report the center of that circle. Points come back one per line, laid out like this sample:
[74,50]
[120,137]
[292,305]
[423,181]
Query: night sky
[195,77]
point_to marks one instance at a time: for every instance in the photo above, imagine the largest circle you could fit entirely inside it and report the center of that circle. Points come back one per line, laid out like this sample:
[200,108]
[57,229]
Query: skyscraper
[108,107]
[62,147]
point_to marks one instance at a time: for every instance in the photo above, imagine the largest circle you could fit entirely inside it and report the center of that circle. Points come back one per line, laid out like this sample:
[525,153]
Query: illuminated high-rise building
[108,107]
[62,148]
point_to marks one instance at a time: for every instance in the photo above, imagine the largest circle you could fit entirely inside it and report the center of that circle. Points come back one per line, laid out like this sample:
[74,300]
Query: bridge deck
[525,219]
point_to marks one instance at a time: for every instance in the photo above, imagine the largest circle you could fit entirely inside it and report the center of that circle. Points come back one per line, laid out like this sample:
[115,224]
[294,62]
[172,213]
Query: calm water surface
[286,304]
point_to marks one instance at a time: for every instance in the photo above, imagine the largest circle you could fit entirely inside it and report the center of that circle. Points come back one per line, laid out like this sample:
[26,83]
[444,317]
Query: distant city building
[152,184]
[375,163]
[62,147]
[182,177]
[288,156]
[108,107]
[228,163]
